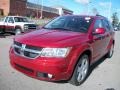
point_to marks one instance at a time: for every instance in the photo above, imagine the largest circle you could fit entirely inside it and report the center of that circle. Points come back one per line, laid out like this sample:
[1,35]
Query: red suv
[64,48]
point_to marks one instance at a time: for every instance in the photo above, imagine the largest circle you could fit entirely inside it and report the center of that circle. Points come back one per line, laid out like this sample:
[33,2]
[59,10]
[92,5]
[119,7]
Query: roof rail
[100,15]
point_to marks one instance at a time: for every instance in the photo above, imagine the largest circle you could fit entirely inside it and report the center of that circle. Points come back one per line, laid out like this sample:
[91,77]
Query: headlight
[55,52]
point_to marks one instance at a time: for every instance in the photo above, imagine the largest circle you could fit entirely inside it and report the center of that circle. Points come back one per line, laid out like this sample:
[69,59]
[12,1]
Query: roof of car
[91,16]
[17,16]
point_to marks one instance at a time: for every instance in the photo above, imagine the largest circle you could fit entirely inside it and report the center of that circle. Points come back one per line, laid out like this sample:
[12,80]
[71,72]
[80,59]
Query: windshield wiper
[62,29]
[59,28]
[46,28]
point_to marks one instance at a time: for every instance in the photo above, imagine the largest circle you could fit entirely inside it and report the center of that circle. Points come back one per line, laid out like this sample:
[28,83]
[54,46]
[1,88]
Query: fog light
[50,75]
[44,75]
[39,74]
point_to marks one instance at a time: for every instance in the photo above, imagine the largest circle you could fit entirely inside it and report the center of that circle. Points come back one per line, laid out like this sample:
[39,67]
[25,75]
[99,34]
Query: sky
[104,7]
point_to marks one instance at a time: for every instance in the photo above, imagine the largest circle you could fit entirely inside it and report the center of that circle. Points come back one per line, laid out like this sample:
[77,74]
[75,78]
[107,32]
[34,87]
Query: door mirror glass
[99,31]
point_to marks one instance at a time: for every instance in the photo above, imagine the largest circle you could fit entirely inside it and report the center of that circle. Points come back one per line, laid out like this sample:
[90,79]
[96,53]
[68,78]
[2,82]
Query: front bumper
[57,67]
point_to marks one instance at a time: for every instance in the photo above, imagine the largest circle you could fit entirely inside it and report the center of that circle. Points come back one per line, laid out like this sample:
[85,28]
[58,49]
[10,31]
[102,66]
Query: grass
[40,22]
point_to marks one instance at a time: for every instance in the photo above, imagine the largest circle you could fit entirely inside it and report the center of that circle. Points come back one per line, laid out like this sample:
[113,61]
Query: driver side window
[11,20]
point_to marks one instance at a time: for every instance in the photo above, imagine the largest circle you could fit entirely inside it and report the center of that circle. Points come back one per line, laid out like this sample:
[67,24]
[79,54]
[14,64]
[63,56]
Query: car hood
[51,38]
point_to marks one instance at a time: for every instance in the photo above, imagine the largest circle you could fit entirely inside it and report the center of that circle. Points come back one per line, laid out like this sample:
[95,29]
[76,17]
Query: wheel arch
[89,53]
[18,27]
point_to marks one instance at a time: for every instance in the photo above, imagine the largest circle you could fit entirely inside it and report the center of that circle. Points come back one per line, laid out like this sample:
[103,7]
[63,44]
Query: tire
[81,71]
[2,31]
[111,51]
[18,31]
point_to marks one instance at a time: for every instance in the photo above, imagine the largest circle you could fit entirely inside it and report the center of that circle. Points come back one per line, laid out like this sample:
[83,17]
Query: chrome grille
[30,26]
[27,51]
[17,43]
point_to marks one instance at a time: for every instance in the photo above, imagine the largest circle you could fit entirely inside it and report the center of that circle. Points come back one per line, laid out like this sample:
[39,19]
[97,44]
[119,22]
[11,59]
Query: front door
[10,24]
[99,41]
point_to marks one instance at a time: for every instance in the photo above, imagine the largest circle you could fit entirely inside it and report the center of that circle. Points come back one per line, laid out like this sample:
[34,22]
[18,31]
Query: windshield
[70,23]
[21,19]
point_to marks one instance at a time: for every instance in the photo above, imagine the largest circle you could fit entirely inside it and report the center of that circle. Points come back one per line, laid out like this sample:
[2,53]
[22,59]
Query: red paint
[60,68]
[2,26]
[9,27]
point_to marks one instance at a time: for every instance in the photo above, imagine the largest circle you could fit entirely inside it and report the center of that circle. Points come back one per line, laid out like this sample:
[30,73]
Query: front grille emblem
[22,49]
[26,50]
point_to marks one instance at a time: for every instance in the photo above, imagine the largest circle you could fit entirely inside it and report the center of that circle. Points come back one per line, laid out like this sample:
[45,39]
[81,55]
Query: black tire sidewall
[108,54]
[74,77]
[16,31]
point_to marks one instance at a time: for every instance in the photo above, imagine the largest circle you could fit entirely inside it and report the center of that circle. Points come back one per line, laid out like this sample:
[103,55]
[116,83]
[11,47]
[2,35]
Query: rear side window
[106,25]
[21,19]
[111,27]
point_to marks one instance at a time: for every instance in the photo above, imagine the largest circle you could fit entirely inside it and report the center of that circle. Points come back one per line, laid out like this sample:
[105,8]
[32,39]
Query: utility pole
[41,9]
[37,9]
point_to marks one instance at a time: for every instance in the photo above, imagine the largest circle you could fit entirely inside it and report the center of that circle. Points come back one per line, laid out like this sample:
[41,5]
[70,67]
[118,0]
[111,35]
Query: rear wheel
[81,71]
[18,31]
[111,51]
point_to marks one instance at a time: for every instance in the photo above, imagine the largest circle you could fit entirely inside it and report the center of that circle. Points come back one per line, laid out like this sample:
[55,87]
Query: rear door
[108,34]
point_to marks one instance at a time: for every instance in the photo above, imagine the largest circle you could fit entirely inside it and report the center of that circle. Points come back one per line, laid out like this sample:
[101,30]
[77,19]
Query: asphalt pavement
[104,76]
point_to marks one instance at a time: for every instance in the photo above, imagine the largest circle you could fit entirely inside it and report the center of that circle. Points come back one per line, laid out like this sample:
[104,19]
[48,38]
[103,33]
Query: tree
[115,19]
[119,26]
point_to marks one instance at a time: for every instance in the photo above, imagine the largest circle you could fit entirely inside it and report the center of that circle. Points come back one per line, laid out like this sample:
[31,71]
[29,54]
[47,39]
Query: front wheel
[81,71]
[2,31]
[18,31]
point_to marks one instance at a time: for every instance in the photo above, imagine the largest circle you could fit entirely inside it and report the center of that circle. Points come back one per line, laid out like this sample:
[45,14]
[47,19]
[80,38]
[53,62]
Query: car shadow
[5,35]
[95,65]
[92,68]
[2,35]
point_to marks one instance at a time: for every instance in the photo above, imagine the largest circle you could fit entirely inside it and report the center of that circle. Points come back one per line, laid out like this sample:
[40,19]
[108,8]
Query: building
[1,12]
[63,10]
[13,7]
[24,8]
[34,10]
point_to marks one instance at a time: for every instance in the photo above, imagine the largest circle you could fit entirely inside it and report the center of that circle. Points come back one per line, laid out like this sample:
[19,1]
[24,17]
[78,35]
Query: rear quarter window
[106,25]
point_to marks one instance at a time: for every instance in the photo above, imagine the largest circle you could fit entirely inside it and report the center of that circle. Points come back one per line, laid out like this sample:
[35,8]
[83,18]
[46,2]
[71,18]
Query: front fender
[75,55]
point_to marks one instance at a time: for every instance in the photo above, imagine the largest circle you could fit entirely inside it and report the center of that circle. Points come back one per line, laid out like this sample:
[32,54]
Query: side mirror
[99,31]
